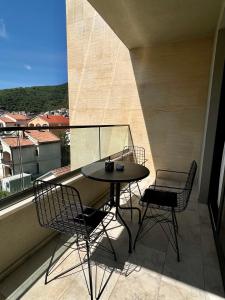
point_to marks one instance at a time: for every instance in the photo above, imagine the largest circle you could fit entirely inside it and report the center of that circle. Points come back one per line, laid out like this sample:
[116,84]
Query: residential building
[48,149]
[52,120]
[34,153]
[6,122]
[11,119]
[19,119]
[49,120]
[59,112]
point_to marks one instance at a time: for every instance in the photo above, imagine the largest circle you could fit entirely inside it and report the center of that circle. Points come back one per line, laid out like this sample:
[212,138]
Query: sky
[32,43]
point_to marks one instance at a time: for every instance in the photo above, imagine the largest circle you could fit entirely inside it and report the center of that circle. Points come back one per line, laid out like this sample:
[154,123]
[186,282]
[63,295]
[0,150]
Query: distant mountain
[35,99]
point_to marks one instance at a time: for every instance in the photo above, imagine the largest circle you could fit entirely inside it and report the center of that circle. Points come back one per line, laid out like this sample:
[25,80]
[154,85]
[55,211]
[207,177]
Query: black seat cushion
[159,197]
[96,217]
[82,223]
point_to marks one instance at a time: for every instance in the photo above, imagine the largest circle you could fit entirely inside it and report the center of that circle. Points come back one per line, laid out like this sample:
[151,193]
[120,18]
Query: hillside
[35,99]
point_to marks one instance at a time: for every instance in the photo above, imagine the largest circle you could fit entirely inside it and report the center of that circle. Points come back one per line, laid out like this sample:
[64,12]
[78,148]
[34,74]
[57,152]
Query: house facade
[48,120]
[6,122]
[19,119]
[10,120]
[34,153]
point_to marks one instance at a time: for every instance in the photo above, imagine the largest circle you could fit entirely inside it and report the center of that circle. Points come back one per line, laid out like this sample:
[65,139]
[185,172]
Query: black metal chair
[134,154]
[170,200]
[59,207]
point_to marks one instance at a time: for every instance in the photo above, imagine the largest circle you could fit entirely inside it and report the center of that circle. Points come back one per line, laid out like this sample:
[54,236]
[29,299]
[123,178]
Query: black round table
[131,172]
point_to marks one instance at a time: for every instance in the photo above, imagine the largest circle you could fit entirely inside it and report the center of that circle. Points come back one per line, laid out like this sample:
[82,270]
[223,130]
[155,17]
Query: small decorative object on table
[109,165]
[119,167]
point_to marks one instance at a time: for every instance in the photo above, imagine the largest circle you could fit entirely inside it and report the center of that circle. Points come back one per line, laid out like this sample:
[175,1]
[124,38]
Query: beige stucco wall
[160,91]
[19,233]
[172,81]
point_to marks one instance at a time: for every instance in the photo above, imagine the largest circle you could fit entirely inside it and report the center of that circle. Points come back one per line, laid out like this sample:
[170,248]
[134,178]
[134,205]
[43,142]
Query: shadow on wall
[172,82]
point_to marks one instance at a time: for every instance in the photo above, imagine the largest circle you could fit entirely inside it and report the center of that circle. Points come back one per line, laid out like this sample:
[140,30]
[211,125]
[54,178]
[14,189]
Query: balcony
[6,162]
[159,67]
[150,272]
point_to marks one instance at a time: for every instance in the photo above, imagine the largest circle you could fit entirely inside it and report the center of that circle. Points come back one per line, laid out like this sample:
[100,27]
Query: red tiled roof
[18,117]
[55,119]
[42,136]
[15,142]
[6,120]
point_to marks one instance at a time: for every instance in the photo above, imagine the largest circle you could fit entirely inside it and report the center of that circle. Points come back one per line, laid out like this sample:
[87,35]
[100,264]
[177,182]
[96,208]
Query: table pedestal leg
[112,202]
[118,214]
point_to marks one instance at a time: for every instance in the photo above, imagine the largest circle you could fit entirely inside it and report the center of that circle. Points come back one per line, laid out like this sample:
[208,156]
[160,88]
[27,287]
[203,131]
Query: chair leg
[175,233]
[175,218]
[50,264]
[110,243]
[131,211]
[140,226]
[139,189]
[89,270]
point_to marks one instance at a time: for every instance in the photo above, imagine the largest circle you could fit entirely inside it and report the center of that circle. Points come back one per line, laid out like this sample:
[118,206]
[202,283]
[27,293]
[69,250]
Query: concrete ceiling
[141,23]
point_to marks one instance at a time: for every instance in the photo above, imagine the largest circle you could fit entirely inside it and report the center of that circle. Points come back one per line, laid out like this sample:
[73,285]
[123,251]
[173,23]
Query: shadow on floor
[152,258]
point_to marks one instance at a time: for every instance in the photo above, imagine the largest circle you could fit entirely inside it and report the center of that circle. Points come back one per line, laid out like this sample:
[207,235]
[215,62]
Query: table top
[131,172]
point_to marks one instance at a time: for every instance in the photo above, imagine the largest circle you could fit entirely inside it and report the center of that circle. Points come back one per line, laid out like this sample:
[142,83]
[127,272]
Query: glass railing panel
[84,144]
[114,139]
[48,153]
[30,154]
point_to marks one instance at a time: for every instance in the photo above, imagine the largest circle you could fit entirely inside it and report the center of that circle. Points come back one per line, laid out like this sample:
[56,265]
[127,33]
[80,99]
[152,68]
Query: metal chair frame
[167,216]
[134,154]
[59,207]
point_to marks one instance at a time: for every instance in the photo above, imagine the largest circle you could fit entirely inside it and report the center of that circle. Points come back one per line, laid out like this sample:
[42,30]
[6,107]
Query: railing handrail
[24,128]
